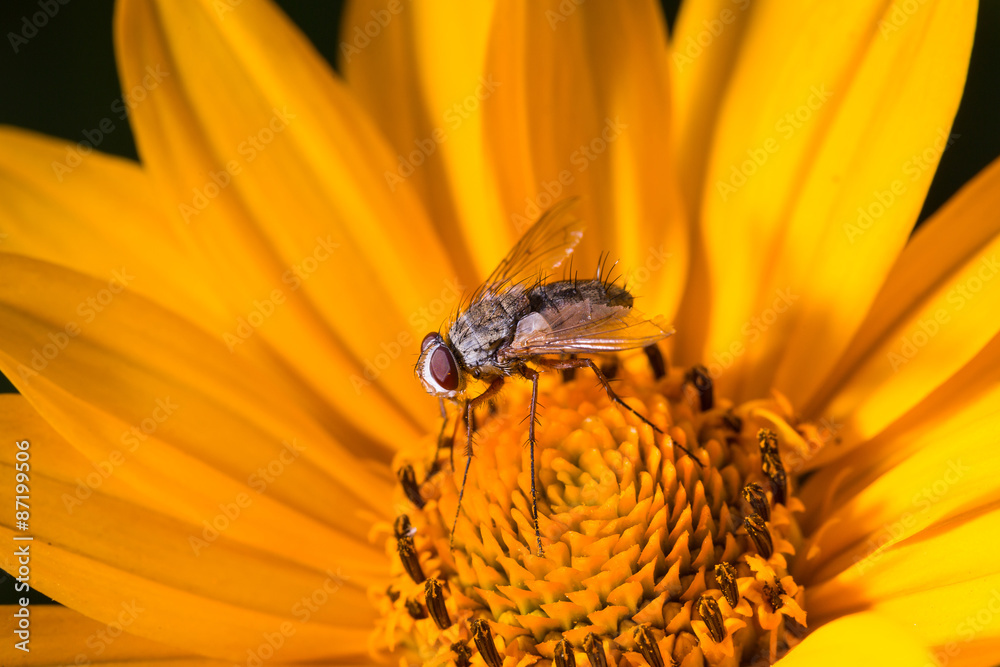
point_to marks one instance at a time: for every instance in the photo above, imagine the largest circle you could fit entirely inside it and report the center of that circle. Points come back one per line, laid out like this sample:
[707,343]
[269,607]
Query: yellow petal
[969,397]
[61,636]
[949,476]
[187,426]
[97,214]
[583,108]
[821,122]
[934,314]
[116,562]
[837,643]
[416,69]
[894,562]
[959,618]
[704,49]
[307,234]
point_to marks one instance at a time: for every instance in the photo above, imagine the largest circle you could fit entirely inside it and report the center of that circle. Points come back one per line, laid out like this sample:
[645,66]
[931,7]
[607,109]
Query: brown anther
[725,574]
[767,440]
[656,361]
[392,593]
[699,377]
[709,610]
[415,609]
[760,535]
[754,494]
[775,472]
[435,603]
[408,480]
[402,527]
[564,654]
[594,647]
[463,655]
[647,645]
[410,558]
[774,594]
[732,422]
[483,637]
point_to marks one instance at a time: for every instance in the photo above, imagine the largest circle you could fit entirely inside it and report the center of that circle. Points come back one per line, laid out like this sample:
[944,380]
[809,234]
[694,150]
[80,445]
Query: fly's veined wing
[545,246]
[586,327]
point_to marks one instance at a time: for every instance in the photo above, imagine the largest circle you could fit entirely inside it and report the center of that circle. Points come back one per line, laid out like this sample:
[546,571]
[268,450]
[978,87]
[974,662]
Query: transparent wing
[585,328]
[545,246]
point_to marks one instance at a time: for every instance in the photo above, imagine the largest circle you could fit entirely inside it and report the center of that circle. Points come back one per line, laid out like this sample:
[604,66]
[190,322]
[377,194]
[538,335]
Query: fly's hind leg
[580,363]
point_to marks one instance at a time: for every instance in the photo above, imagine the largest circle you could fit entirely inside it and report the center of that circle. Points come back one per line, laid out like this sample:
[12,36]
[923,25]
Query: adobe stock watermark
[296,275]
[691,48]
[922,501]
[968,629]
[92,138]
[30,25]
[302,611]
[131,440]
[88,310]
[231,511]
[786,127]
[361,38]
[958,297]
[580,159]
[453,118]
[751,331]
[562,12]
[426,318]
[902,11]
[883,200]
[99,640]
[248,150]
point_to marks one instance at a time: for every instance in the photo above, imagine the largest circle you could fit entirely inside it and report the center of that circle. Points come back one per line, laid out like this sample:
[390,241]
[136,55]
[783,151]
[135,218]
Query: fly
[517,324]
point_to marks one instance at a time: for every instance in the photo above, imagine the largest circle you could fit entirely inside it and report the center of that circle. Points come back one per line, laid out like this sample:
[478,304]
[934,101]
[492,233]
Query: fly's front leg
[436,464]
[469,410]
[580,363]
[532,420]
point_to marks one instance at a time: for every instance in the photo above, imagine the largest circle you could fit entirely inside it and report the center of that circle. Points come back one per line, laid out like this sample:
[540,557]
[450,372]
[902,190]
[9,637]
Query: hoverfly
[517,324]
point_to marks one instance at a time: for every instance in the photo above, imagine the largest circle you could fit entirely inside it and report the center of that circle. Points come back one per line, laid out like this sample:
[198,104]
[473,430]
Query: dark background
[62,81]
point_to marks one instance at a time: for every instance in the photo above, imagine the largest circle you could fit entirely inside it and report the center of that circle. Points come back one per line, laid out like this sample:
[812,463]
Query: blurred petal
[303,203]
[414,67]
[704,51]
[185,425]
[816,126]
[96,217]
[61,636]
[583,107]
[116,562]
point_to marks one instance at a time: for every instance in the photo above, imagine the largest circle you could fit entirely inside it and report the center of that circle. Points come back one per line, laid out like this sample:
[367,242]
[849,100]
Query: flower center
[647,552]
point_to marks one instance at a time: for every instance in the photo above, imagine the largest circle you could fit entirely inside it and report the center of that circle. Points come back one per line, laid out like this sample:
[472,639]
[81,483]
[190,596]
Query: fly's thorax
[486,326]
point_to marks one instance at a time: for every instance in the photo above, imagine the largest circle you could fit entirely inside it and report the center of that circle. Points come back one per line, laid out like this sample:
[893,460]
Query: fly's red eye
[443,368]
[432,337]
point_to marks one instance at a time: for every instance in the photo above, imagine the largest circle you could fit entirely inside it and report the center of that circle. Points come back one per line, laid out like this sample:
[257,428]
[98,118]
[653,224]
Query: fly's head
[438,368]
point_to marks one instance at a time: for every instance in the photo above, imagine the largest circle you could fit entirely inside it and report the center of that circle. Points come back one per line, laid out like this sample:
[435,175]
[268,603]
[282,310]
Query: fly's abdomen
[556,296]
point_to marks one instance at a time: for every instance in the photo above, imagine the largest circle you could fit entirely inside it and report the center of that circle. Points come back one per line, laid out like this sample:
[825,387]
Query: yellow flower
[214,349]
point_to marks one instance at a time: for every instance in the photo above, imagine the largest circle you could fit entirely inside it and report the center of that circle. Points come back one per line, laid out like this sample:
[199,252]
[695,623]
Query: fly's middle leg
[532,420]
